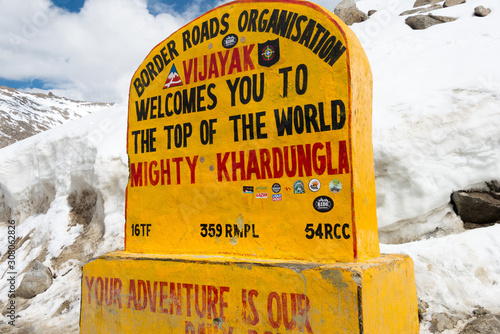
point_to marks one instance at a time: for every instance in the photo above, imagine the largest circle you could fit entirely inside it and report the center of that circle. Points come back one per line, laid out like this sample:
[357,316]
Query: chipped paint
[183,294]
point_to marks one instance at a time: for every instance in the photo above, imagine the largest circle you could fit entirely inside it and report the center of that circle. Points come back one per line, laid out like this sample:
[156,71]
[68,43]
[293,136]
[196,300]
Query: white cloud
[92,54]
[89,55]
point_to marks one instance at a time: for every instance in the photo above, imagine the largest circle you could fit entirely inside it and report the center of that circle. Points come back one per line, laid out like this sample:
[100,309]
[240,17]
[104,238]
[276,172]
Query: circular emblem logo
[335,186]
[298,187]
[229,41]
[323,204]
[268,53]
[314,185]
[276,188]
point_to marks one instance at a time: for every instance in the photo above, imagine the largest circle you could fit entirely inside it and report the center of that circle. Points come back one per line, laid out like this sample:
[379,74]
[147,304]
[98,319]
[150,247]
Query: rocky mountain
[23,115]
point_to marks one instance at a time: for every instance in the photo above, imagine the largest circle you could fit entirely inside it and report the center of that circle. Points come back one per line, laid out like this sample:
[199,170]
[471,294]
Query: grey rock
[489,323]
[471,226]
[443,19]
[420,22]
[476,207]
[422,309]
[421,10]
[37,280]
[420,3]
[371,12]
[494,185]
[348,12]
[449,3]
[480,311]
[441,322]
[481,11]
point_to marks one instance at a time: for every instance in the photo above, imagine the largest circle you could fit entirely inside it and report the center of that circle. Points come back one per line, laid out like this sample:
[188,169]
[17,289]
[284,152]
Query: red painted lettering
[212,298]
[274,321]
[247,318]
[99,296]
[89,287]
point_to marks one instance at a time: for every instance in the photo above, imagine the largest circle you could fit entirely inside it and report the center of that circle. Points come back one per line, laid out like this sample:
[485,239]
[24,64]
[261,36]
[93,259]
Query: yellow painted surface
[380,285]
[132,293]
[198,148]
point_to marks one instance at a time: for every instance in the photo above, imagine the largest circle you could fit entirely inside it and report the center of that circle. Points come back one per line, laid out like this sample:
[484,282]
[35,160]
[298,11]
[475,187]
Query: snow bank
[436,101]
[65,188]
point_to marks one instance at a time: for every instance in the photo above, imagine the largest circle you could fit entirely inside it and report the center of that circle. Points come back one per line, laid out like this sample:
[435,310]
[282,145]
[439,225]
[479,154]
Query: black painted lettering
[298,28]
[172,51]
[212,96]
[310,114]
[224,23]
[260,125]
[186,40]
[301,85]
[338,114]
[252,22]
[235,119]
[142,111]
[285,71]
[139,88]
[151,71]
[232,88]
[262,21]
[200,98]
[285,122]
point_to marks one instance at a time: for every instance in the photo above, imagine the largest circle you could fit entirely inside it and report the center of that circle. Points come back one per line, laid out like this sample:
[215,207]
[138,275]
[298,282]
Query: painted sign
[238,122]
[131,294]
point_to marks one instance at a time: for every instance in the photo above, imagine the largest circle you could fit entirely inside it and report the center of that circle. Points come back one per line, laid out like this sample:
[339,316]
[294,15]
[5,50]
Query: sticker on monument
[269,53]
[173,79]
[314,185]
[261,195]
[335,186]
[276,188]
[247,190]
[298,187]
[323,204]
[230,41]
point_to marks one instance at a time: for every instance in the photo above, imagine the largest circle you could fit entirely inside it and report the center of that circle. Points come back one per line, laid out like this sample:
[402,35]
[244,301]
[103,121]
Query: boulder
[441,322]
[493,185]
[481,11]
[35,281]
[476,207]
[489,323]
[480,311]
[420,22]
[449,3]
[420,3]
[442,19]
[348,12]
[421,10]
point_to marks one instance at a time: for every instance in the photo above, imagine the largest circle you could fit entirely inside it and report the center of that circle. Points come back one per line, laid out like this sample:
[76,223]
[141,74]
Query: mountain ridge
[24,114]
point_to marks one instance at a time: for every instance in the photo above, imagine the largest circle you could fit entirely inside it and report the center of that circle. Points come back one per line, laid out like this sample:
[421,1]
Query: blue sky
[72,6]
[88,49]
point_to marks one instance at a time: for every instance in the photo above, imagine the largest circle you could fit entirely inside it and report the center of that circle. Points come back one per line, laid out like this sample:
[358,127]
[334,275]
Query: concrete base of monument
[136,293]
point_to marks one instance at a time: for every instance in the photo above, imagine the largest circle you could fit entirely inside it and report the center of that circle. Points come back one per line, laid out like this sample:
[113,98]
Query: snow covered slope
[24,114]
[436,129]
[65,189]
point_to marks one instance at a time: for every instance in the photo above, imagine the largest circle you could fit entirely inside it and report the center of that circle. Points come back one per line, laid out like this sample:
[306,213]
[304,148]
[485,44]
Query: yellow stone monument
[251,199]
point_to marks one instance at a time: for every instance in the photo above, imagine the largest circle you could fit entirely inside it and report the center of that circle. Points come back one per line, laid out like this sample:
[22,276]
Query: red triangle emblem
[173,79]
